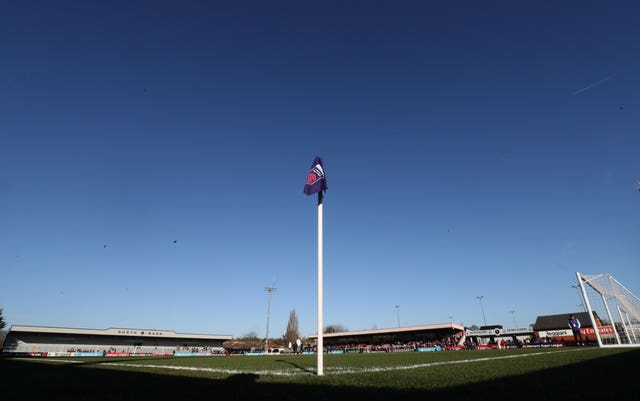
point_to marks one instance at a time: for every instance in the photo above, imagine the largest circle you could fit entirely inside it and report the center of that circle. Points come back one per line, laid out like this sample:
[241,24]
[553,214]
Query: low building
[555,328]
[488,335]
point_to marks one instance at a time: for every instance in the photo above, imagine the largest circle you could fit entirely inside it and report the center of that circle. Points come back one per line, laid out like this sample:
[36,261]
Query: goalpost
[613,309]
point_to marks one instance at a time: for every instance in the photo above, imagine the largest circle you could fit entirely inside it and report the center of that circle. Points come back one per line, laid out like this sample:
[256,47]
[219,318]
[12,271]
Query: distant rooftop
[393,330]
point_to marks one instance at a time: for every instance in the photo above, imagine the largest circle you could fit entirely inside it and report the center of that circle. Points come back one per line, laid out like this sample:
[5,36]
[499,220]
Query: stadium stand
[57,341]
[397,339]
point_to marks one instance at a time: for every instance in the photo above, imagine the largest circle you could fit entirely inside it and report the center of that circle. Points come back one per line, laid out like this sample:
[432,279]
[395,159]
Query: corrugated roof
[393,330]
[118,332]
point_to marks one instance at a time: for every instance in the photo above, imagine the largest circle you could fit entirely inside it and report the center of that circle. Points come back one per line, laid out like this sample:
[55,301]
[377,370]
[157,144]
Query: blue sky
[473,148]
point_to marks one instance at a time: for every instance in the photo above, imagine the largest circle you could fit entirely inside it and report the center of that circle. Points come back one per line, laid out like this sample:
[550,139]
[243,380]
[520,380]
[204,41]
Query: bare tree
[334,328]
[3,324]
[252,335]
[292,333]
[244,342]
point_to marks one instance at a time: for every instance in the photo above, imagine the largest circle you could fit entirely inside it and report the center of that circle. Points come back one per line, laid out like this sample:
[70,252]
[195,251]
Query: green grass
[532,374]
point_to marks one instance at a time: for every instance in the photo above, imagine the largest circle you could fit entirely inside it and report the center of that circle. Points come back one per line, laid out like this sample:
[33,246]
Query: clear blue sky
[473,148]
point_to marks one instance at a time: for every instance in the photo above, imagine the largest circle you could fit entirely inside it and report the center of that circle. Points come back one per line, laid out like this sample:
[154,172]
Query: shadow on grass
[301,368]
[606,378]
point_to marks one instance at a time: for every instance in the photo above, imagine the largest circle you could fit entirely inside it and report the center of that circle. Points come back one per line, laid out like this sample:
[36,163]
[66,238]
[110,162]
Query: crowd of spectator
[81,350]
[446,343]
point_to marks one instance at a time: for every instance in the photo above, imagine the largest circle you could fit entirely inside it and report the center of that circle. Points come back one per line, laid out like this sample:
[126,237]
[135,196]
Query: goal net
[614,310]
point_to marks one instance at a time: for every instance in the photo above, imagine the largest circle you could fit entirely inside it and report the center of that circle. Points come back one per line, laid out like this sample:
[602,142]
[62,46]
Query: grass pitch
[533,374]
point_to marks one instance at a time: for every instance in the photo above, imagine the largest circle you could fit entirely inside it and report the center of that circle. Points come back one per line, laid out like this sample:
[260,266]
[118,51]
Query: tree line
[3,324]
[291,335]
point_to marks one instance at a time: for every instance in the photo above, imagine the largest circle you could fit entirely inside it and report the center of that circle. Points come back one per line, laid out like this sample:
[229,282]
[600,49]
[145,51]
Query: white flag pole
[320,339]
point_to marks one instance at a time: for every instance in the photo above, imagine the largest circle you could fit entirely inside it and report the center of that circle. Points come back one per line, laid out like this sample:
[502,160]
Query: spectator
[574,324]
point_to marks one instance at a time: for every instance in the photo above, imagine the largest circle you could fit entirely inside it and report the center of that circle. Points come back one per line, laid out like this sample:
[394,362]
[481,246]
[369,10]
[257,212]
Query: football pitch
[531,374]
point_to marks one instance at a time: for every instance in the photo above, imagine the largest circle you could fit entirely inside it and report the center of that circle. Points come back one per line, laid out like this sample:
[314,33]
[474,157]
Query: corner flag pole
[317,183]
[320,339]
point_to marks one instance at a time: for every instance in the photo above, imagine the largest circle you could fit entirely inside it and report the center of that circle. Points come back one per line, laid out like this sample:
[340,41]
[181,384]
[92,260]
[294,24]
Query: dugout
[61,341]
[487,335]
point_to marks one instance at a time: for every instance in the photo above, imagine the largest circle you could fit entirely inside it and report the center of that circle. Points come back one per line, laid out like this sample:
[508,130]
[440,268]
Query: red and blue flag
[316,179]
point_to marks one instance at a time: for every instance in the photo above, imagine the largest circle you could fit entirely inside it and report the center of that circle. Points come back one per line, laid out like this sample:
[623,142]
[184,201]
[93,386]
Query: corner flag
[316,179]
[317,183]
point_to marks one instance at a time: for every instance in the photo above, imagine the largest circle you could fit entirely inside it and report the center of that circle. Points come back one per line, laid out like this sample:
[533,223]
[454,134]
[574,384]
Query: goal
[613,309]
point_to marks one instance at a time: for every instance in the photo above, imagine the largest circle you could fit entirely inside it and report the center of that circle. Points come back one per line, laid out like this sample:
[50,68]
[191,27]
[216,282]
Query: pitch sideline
[328,370]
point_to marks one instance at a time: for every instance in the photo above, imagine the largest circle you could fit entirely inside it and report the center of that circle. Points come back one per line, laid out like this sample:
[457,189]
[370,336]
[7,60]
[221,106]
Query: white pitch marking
[336,370]
[288,372]
[51,360]
[431,364]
